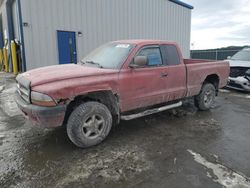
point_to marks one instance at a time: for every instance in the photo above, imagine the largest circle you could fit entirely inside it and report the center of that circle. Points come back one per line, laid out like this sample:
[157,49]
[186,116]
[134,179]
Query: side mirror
[139,61]
[229,57]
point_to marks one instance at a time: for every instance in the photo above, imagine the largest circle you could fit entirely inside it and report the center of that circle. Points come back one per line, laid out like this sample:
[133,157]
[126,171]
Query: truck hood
[62,72]
[237,63]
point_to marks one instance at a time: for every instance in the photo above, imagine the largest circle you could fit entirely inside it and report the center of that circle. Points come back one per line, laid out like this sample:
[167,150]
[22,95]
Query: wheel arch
[213,79]
[106,97]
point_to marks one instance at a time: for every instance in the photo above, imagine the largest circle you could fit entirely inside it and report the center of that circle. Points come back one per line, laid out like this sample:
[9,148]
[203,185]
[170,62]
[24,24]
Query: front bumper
[47,117]
[239,83]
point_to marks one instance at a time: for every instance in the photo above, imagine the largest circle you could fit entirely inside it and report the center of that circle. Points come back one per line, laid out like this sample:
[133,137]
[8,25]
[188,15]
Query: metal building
[64,31]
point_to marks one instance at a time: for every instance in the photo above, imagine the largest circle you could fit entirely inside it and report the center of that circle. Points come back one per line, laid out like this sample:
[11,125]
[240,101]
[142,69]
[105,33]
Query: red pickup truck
[120,80]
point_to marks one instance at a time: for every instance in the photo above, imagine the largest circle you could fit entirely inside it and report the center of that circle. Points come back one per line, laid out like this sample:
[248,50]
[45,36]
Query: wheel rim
[209,97]
[93,126]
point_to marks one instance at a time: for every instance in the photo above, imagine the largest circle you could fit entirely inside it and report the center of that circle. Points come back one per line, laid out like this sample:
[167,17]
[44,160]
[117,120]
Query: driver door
[143,86]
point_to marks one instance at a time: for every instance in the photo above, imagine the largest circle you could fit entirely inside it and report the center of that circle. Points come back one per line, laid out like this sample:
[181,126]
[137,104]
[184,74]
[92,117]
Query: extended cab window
[170,55]
[153,54]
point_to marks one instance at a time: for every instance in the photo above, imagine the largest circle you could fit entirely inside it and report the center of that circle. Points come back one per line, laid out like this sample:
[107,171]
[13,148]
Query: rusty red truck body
[123,80]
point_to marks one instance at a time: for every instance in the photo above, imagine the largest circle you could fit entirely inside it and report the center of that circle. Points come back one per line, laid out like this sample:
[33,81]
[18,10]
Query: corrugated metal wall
[100,21]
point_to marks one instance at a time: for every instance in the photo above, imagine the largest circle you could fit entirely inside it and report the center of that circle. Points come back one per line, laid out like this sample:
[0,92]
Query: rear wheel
[206,98]
[89,124]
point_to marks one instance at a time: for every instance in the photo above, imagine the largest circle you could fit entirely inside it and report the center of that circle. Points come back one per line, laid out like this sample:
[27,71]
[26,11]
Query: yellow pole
[5,59]
[14,57]
[1,59]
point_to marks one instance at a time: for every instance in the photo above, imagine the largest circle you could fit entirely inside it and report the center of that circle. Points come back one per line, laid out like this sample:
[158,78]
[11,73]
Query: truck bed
[198,69]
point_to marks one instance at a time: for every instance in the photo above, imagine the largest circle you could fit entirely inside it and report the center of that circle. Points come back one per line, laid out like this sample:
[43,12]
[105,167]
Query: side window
[170,55]
[153,54]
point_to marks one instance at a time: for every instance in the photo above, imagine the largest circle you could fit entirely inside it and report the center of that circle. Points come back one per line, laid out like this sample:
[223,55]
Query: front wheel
[89,124]
[206,98]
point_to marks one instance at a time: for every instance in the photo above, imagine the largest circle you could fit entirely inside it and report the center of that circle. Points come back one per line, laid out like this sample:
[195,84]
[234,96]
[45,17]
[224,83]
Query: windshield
[243,55]
[109,56]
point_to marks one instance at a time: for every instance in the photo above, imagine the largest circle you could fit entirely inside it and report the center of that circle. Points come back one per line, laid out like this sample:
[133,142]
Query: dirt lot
[180,148]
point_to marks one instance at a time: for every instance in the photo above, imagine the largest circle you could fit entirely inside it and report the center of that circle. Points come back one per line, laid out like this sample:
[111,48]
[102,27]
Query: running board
[151,111]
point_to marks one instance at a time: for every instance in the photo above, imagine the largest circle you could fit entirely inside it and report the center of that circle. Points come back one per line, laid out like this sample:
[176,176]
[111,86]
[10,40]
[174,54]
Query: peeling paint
[225,176]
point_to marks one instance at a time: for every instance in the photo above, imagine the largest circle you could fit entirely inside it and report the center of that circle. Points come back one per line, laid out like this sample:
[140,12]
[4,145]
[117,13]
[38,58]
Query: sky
[220,23]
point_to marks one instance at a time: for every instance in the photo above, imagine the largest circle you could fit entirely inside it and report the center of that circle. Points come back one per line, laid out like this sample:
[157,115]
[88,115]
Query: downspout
[10,27]
[24,68]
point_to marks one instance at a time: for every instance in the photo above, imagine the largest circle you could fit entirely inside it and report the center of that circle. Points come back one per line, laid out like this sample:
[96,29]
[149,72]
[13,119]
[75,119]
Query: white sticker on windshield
[122,46]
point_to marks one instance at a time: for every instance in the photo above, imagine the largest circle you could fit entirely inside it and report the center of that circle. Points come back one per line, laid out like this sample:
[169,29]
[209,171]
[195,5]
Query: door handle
[163,75]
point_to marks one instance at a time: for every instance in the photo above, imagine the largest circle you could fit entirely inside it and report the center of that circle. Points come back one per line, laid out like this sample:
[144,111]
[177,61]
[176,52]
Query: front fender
[68,89]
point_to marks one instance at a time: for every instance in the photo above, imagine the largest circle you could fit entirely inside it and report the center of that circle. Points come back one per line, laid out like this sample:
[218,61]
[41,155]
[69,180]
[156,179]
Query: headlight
[41,99]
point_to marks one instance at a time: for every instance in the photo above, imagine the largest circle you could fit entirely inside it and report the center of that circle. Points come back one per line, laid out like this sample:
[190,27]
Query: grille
[237,71]
[23,92]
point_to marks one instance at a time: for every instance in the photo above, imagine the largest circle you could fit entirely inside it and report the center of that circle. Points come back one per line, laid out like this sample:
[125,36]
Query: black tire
[89,116]
[206,98]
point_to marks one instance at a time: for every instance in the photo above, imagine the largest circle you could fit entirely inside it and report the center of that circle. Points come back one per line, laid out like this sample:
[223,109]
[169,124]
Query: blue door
[67,47]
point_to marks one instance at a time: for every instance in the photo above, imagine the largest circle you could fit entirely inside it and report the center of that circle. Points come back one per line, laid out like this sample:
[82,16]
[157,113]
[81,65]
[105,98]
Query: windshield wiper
[92,63]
